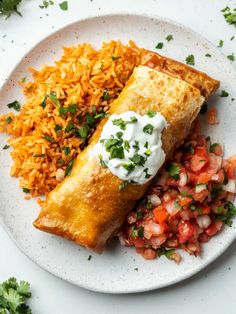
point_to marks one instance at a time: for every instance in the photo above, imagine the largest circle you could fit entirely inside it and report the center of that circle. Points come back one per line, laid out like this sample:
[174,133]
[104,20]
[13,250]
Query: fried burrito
[89,206]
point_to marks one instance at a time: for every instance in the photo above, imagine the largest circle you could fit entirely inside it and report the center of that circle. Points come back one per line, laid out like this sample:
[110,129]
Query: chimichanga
[88,207]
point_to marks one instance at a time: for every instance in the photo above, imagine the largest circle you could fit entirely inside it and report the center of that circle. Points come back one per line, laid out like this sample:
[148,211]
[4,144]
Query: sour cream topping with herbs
[130,145]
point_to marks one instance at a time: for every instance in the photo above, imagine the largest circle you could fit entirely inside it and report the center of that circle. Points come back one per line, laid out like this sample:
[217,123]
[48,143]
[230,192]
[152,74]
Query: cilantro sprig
[7,7]
[13,297]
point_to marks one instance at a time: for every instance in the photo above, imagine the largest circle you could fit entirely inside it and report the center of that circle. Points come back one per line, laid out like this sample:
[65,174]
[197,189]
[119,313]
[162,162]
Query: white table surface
[212,290]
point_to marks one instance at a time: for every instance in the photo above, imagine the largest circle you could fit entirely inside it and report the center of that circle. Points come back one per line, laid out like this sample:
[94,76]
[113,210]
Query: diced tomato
[184,200]
[160,214]
[212,117]
[229,169]
[138,242]
[201,151]
[171,182]
[149,254]
[203,177]
[192,177]
[197,163]
[205,210]
[186,231]
[215,163]
[201,196]
[214,228]
[203,237]
[218,150]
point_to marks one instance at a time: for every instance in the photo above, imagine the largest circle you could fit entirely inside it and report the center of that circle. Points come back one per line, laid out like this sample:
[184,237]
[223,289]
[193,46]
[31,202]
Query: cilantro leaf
[190,60]
[231,212]
[159,45]
[15,105]
[148,128]
[151,114]
[69,168]
[138,160]
[64,5]
[224,94]
[106,95]
[7,7]
[229,15]
[231,57]
[220,43]
[169,37]
[173,170]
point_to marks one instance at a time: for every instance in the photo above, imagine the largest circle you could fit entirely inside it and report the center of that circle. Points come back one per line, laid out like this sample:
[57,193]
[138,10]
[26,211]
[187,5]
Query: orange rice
[80,78]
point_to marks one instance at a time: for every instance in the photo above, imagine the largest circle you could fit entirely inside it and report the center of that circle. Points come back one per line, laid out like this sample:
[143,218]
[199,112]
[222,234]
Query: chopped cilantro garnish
[173,170]
[70,127]
[204,108]
[136,146]
[14,105]
[90,119]
[25,190]
[216,190]
[66,150]
[220,43]
[146,145]
[167,253]
[84,131]
[48,138]
[138,160]
[227,218]
[45,4]
[120,122]
[169,37]
[129,167]
[119,134]
[149,205]
[61,161]
[208,55]
[123,185]
[126,145]
[58,127]
[189,149]
[186,194]
[6,146]
[224,94]
[151,114]
[64,5]
[102,162]
[148,128]
[231,57]
[106,95]
[137,232]
[159,45]
[72,108]
[44,102]
[190,60]
[117,152]
[115,58]
[147,175]
[8,120]
[112,142]
[213,147]
[69,168]
[54,99]
[229,15]
[133,119]
[139,215]
[148,152]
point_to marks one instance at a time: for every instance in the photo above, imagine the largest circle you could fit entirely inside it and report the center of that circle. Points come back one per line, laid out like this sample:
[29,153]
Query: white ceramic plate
[114,271]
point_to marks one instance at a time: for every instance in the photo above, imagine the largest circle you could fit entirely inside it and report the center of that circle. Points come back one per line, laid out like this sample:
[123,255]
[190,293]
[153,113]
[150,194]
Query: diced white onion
[172,207]
[152,229]
[201,187]
[204,221]
[230,186]
[183,179]
[154,199]
[60,174]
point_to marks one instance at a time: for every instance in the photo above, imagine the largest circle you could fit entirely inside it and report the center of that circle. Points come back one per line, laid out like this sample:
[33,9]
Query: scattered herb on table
[232,38]
[89,258]
[159,45]
[7,7]
[64,5]
[190,60]
[13,296]
[169,38]
[45,4]
[224,94]
[229,15]
[6,147]
[231,57]
[208,55]
[220,43]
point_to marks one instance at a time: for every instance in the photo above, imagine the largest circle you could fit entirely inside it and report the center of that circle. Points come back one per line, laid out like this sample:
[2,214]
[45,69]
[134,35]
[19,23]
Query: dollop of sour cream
[130,145]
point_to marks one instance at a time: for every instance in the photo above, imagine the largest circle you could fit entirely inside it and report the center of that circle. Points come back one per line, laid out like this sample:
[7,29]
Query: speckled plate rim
[183,276]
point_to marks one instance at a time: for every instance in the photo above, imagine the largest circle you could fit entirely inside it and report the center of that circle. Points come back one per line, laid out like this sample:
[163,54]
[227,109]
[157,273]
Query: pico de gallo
[190,202]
